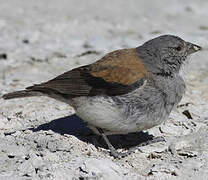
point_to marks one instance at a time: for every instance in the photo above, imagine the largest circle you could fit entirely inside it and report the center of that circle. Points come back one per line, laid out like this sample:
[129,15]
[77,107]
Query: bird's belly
[117,116]
[100,112]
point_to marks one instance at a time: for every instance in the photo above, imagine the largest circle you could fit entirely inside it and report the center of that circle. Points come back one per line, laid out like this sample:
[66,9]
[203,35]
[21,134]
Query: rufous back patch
[121,66]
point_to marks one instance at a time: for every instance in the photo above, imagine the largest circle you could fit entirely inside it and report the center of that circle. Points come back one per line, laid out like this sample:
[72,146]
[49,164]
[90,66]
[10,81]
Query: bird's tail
[21,94]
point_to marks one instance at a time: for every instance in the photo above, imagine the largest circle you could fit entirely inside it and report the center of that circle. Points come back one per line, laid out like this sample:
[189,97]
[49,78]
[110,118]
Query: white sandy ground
[41,39]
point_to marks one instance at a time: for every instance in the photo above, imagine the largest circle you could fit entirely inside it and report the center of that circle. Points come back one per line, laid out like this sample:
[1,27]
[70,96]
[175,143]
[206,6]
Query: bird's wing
[117,73]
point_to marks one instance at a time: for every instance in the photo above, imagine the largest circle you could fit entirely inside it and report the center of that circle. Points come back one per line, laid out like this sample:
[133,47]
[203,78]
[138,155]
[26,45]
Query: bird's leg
[113,151]
[117,154]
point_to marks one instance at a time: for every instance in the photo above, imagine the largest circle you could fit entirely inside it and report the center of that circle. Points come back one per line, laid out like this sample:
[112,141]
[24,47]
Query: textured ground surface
[41,39]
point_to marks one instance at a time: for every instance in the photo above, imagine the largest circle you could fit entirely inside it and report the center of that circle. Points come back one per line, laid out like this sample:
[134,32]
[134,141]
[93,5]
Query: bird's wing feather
[117,73]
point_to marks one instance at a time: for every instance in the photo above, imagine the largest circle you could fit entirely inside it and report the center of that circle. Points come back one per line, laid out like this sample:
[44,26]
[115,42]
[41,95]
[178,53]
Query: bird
[127,90]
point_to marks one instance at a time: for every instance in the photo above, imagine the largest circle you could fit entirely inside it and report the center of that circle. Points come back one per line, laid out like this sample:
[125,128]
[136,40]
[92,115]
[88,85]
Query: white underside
[105,114]
[99,112]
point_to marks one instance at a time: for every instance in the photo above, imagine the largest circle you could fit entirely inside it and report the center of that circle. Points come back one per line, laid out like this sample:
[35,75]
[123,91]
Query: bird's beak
[192,48]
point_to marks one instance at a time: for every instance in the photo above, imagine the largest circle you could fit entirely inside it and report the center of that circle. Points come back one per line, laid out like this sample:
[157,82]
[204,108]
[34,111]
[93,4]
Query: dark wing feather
[117,73]
[70,83]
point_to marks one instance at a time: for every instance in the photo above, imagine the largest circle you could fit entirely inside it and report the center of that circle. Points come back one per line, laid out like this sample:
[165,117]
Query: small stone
[3,56]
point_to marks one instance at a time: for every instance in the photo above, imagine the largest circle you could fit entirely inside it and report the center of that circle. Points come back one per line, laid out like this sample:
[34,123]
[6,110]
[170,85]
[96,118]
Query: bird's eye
[178,48]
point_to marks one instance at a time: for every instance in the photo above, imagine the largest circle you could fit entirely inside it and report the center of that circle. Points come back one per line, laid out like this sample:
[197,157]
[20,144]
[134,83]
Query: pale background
[40,39]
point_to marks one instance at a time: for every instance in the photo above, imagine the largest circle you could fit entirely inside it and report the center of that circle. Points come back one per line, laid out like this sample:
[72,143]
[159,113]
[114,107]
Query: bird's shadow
[73,125]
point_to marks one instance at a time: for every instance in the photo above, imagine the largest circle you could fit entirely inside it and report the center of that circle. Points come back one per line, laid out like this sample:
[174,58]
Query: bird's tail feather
[21,94]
